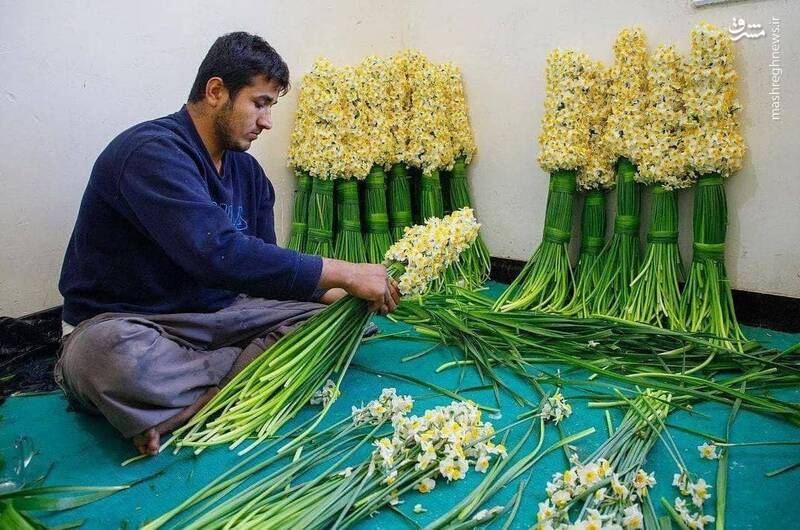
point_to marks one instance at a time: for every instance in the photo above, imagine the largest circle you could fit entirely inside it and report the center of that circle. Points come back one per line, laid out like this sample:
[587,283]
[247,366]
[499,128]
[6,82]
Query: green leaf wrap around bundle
[475,261]
[587,272]
[707,301]
[545,282]
[430,196]
[349,241]
[320,218]
[399,194]
[377,239]
[656,293]
[621,257]
[297,240]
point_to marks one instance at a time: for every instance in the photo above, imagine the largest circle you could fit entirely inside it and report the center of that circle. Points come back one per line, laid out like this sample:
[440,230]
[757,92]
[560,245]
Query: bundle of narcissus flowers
[620,259]
[593,179]
[664,167]
[545,282]
[278,383]
[383,115]
[317,148]
[610,489]
[431,253]
[715,151]
[440,445]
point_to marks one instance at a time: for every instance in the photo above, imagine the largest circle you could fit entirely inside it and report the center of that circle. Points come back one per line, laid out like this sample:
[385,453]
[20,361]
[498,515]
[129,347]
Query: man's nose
[265,121]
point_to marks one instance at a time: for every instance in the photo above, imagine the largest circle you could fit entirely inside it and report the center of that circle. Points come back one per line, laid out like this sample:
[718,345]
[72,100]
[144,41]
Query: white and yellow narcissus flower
[613,507]
[714,141]
[427,250]
[642,481]
[555,408]
[388,406]
[458,112]
[442,443]
[598,171]
[708,451]
[326,395]
[487,514]
[430,145]
[564,140]
[699,492]
[633,519]
[624,132]
[664,158]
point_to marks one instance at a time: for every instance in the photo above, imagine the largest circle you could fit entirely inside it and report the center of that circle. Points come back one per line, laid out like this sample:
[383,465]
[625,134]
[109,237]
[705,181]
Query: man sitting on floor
[172,280]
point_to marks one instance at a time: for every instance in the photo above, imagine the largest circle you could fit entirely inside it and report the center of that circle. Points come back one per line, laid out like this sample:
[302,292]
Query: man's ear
[216,92]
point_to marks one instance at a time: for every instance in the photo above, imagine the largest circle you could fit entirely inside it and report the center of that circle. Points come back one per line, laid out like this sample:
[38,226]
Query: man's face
[241,120]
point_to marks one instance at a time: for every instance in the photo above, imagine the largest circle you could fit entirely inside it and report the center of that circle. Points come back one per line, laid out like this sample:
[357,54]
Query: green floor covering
[86,451]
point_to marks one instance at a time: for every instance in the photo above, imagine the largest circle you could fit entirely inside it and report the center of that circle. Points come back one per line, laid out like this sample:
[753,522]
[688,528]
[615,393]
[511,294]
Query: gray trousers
[140,370]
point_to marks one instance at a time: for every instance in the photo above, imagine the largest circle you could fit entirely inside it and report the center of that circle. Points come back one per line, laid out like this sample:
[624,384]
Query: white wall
[502,47]
[77,73]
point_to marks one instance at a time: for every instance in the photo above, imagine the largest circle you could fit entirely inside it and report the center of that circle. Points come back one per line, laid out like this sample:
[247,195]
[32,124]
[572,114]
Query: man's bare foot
[149,442]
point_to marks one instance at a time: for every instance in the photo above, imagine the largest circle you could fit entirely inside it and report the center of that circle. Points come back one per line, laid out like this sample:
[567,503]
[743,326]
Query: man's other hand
[367,281]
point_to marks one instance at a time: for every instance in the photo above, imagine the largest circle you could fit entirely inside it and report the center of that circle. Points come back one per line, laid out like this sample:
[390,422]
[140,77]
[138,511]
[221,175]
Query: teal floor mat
[85,450]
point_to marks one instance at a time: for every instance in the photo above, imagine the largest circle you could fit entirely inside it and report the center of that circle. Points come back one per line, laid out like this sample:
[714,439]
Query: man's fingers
[395,290]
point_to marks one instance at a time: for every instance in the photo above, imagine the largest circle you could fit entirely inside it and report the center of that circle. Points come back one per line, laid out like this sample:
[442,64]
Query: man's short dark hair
[237,58]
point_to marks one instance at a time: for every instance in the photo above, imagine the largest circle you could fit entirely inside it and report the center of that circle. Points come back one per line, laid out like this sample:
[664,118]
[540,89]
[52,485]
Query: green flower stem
[320,218]
[655,298]
[476,261]
[545,281]
[399,194]
[621,257]
[430,196]
[349,241]
[297,240]
[378,238]
[587,272]
[707,302]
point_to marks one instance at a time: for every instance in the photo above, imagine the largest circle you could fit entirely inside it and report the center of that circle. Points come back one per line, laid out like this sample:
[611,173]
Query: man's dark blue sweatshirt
[159,230]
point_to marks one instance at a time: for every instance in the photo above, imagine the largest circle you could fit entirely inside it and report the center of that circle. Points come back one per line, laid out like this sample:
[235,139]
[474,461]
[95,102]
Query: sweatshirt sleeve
[170,200]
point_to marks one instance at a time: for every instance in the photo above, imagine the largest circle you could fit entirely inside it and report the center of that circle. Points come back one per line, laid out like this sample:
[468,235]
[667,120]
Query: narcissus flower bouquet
[276,385]
[545,282]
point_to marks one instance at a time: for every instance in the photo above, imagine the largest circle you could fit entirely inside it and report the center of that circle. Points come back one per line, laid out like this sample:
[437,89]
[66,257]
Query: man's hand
[363,280]
[332,295]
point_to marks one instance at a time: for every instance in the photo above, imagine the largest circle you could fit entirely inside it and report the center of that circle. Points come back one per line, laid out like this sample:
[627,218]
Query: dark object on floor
[28,349]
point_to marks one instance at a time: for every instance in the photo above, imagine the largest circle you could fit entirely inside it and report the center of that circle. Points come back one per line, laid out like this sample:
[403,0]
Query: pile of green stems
[297,239]
[349,241]
[399,197]
[627,448]
[476,259]
[688,365]
[431,203]
[276,385]
[546,280]
[320,218]
[378,238]
[707,302]
[500,475]
[655,298]
[621,258]
[234,495]
[587,273]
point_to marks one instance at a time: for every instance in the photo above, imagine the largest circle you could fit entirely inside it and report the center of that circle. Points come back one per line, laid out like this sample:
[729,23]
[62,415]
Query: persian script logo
[739,29]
